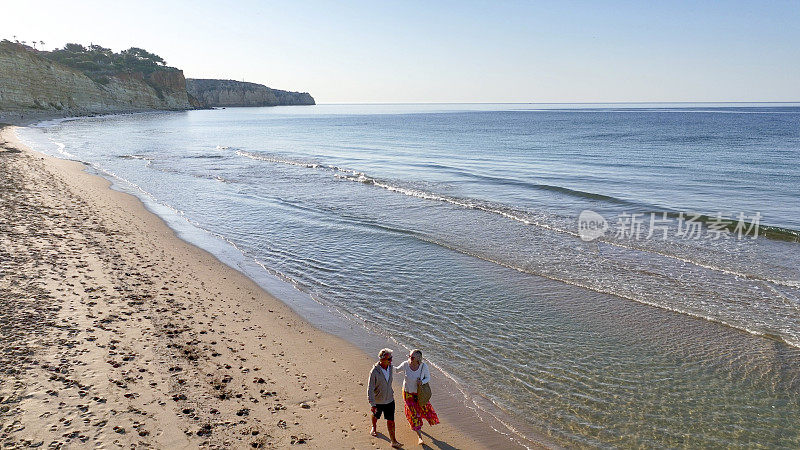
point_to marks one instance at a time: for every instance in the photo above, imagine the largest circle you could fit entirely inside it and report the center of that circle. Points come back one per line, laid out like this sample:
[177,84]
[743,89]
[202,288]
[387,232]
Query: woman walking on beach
[416,373]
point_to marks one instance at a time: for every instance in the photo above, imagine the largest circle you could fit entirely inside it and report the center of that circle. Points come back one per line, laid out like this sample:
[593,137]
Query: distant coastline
[223,93]
[79,81]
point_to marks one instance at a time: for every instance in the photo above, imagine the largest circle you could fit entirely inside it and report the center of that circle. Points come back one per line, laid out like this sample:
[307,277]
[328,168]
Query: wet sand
[116,333]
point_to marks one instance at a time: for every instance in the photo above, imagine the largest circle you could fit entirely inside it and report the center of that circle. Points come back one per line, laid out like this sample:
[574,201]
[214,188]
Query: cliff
[33,87]
[212,93]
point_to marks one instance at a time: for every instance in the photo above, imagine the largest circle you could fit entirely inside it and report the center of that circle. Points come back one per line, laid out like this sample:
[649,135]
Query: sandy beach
[116,333]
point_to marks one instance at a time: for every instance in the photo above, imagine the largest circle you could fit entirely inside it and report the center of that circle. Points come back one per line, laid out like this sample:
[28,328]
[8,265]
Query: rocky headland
[215,93]
[83,81]
[33,87]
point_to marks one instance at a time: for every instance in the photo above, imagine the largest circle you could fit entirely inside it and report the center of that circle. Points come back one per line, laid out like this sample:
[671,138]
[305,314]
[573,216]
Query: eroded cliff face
[213,93]
[33,87]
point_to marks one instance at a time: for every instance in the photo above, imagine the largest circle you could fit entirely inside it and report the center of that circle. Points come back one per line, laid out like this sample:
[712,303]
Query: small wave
[62,150]
[779,233]
[361,177]
[53,122]
[604,136]
[148,161]
[206,156]
[276,159]
[555,188]
[470,203]
[697,139]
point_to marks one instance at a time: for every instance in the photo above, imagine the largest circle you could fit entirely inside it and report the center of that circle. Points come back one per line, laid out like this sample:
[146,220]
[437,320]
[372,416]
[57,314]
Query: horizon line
[559,103]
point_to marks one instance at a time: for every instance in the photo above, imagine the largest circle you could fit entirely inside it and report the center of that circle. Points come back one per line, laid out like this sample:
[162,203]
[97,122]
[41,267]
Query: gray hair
[384,352]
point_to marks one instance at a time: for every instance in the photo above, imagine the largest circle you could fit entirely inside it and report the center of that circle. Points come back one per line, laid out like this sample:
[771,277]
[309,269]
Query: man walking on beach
[381,395]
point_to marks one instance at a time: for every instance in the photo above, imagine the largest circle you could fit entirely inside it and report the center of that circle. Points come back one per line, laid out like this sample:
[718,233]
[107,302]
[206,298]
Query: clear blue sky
[452,51]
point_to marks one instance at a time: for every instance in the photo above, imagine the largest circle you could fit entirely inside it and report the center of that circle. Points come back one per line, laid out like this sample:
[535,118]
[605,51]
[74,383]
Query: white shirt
[411,376]
[385,372]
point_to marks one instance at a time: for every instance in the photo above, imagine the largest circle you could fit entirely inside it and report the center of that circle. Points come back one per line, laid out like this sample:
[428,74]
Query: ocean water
[455,229]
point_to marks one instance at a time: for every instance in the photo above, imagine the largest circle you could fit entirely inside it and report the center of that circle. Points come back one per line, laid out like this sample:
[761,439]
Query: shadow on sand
[430,442]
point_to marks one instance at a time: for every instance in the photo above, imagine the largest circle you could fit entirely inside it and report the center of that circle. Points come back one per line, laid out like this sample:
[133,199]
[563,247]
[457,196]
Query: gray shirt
[379,390]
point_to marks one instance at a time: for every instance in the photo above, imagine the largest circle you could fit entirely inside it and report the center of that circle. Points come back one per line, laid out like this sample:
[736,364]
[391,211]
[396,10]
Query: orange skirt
[415,413]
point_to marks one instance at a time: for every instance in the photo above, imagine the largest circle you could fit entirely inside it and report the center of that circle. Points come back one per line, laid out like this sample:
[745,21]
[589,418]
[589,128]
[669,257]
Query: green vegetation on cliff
[35,85]
[98,63]
[76,80]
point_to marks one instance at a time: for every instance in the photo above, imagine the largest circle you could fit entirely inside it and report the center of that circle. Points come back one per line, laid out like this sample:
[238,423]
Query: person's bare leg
[390,425]
[374,430]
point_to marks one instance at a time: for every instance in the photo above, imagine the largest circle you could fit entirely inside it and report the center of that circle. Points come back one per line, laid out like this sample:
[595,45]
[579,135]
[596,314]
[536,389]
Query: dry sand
[116,333]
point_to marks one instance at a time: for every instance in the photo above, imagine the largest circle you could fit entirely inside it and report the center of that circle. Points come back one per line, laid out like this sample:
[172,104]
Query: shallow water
[454,228]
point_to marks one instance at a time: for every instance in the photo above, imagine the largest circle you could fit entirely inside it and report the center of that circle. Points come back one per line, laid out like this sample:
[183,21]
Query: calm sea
[663,321]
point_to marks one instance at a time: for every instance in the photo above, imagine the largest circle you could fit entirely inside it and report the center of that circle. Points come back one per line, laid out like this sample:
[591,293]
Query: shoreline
[33,117]
[156,342]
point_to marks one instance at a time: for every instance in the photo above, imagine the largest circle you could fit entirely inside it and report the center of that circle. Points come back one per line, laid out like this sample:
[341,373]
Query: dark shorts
[387,410]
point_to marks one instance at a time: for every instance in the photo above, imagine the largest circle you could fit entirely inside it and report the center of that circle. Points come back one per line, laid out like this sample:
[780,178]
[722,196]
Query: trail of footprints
[141,363]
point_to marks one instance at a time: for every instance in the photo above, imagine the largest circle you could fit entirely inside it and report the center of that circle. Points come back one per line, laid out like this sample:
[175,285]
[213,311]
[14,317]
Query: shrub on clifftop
[98,62]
